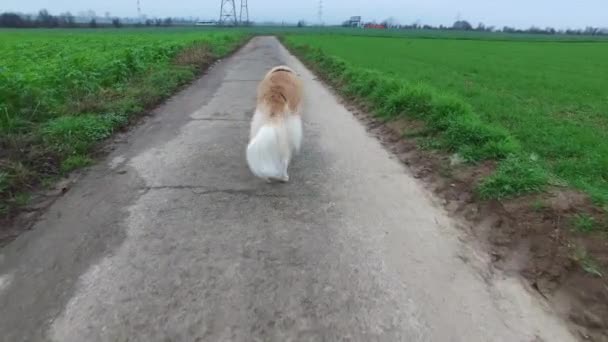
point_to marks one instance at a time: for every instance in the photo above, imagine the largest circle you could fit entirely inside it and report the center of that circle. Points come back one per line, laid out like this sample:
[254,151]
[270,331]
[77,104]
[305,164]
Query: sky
[517,13]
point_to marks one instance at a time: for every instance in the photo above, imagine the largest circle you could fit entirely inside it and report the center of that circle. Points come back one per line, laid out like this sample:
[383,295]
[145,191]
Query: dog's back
[280,91]
[276,128]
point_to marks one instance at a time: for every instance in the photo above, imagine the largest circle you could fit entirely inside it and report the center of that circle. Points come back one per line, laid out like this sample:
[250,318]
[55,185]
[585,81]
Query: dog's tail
[269,151]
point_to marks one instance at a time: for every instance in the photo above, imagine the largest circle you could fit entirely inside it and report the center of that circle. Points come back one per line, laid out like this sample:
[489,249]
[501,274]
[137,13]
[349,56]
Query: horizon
[544,13]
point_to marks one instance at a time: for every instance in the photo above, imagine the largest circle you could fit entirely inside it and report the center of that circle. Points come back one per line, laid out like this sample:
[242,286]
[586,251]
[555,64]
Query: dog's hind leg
[285,177]
[294,129]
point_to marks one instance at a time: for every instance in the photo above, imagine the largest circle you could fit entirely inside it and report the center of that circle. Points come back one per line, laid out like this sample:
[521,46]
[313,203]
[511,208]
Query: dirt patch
[535,236]
[196,55]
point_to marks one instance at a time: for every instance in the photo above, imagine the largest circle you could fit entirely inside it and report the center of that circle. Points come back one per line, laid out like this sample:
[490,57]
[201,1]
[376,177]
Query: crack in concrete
[219,119]
[242,80]
[205,190]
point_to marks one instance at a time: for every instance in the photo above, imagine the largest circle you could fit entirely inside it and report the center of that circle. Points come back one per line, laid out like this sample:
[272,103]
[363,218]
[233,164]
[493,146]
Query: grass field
[61,91]
[537,103]
[423,34]
[545,102]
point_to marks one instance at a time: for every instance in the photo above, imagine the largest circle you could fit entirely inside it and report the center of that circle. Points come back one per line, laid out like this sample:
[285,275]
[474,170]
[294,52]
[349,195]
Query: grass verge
[535,92]
[34,149]
[450,122]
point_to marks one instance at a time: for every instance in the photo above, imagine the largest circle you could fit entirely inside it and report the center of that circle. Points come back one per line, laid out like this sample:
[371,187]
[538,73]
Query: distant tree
[67,20]
[44,16]
[302,23]
[93,23]
[149,22]
[535,30]
[12,20]
[462,25]
[591,31]
[91,14]
[159,22]
[116,22]
[45,19]
[168,21]
[390,22]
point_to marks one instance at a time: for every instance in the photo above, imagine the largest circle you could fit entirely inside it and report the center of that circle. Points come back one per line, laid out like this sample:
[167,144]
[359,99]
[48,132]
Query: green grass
[587,262]
[74,162]
[514,176]
[426,34]
[488,100]
[76,134]
[63,91]
[584,223]
[539,205]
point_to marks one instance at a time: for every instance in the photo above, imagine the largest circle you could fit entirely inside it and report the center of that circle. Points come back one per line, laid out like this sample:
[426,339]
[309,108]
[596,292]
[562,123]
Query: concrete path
[172,239]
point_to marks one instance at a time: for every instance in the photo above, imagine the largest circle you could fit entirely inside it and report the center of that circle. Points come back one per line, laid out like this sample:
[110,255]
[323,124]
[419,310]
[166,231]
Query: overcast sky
[519,13]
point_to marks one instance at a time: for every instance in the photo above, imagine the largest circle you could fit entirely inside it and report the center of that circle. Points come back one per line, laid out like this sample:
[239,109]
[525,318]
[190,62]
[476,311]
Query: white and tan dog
[276,127]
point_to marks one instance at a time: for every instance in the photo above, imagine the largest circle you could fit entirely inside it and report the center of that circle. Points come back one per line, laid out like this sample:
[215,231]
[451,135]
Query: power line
[227,13]
[244,10]
[321,12]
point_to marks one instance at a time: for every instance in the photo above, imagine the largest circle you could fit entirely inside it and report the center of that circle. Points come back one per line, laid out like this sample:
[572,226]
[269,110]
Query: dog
[276,126]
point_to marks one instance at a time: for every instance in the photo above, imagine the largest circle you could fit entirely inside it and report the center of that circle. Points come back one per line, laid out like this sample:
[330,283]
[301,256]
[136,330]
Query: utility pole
[321,12]
[138,10]
[228,13]
[244,13]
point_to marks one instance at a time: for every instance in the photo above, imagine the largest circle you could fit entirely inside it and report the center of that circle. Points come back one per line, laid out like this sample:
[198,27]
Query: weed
[446,172]
[584,223]
[429,143]
[4,181]
[412,100]
[417,133]
[475,140]
[539,205]
[515,176]
[21,199]
[74,162]
[76,134]
[197,55]
[588,264]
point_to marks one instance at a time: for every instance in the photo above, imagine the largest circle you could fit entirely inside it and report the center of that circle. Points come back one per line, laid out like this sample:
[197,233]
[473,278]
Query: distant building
[354,21]
[206,23]
[375,26]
